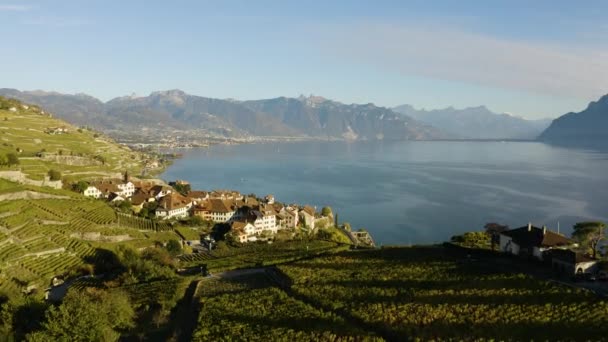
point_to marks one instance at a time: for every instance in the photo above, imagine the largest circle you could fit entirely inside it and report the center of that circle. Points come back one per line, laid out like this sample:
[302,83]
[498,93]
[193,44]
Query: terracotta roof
[107,188]
[238,225]
[309,210]
[221,206]
[537,237]
[197,194]
[156,189]
[139,198]
[173,201]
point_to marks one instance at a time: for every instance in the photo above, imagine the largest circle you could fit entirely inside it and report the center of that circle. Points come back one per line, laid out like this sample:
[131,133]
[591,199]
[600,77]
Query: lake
[414,192]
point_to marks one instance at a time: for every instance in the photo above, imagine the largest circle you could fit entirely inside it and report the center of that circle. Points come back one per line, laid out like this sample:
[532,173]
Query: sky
[536,59]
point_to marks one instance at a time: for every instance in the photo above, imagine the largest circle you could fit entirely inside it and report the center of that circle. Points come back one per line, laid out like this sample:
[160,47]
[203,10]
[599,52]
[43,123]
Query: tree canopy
[90,315]
[590,234]
[326,211]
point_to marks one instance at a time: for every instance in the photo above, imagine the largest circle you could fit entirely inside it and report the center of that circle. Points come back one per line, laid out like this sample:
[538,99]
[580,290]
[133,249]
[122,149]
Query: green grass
[188,233]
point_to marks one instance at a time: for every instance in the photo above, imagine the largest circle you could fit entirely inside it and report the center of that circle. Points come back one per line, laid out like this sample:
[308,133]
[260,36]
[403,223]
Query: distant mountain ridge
[174,109]
[589,126]
[477,122]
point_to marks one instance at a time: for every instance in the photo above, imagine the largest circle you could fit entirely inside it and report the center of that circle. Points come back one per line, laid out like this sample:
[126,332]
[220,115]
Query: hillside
[174,112]
[477,122]
[48,233]
[397,294]
[587,127]
[43,142]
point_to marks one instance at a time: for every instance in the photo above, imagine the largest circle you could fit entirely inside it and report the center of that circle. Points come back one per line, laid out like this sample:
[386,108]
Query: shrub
[55,175]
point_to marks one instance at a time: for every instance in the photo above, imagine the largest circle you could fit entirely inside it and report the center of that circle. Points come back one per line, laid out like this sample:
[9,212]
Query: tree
[55,175]
[181,188]
[472,240]
[326,211]
[590,234]
[3,160]
[12,159]
[89,315]
[80,187]
[174,247]
[494,230]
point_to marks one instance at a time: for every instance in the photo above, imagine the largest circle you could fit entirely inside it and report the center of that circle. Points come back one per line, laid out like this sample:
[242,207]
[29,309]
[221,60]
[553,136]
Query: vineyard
[249,308]
[261,254]
[429,294]
[140,223]
[41,238]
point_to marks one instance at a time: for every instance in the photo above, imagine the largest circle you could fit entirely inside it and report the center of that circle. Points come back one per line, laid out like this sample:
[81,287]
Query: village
[248,217]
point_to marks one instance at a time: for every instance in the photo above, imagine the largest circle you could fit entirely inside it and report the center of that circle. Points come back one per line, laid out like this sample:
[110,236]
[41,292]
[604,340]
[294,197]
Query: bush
[91,315]
[174,247]
[472,240]
[55,175]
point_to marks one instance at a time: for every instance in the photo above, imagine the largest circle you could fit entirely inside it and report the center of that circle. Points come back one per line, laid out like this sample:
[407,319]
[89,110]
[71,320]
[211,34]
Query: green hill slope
[33,135]
[54,232]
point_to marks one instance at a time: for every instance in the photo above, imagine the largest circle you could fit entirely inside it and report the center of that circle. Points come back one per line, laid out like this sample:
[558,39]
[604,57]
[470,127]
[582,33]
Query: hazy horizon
[428,55]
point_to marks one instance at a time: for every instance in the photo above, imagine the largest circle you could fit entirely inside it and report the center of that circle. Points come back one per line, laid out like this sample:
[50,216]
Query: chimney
[529,226]
[544,230]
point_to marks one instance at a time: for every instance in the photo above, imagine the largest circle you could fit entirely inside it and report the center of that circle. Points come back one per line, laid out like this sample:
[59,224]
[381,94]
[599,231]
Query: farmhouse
[173,205]
[244,231]
[530,241]
[307,214]
[221,210]
[288,217]
[568,262]
[92,191]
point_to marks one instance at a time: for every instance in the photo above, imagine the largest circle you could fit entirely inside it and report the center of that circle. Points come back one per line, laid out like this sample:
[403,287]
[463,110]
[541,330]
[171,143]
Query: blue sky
[530,58]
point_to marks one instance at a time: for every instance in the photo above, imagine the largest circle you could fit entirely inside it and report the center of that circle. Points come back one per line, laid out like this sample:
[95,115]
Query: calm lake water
[414,192]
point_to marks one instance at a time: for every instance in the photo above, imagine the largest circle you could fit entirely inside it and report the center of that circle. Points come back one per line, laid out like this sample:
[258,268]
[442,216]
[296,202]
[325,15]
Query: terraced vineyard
[143,224]
[40,238]
[431,294]
[254,255]
[76,153]
[249,308]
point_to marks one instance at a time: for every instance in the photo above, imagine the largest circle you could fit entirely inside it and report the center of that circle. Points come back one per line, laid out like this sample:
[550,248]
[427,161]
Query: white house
[532,241]
[221,211]
[127,189]
[244,231]
[307,214]
[568,262]
[92,191]
[124,188]
[289,217]
[173,205]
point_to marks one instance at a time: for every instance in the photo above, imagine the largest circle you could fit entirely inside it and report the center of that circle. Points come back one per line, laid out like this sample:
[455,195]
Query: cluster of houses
[548,246]
[56,130]
[248,216]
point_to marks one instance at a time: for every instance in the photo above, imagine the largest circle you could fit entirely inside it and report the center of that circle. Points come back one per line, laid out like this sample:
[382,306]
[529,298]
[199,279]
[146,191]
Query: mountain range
[589,126]
[477,122]
[182,114]
[311,116]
